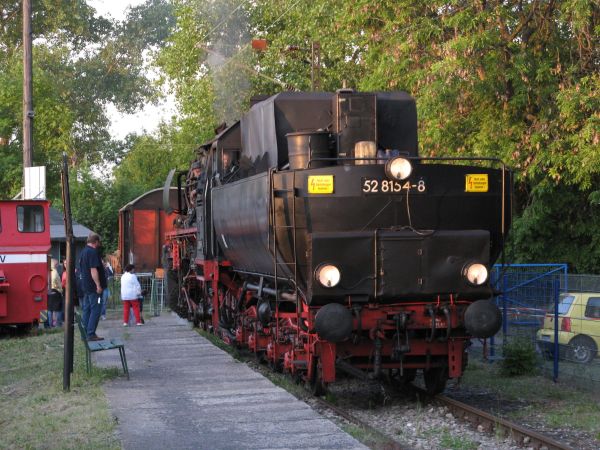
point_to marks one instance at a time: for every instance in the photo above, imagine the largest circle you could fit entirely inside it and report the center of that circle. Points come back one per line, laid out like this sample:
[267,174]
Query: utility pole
[315,66]
[69,300]
[27,87]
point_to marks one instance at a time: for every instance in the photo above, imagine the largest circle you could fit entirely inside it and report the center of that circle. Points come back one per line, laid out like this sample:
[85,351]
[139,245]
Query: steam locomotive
[312,233]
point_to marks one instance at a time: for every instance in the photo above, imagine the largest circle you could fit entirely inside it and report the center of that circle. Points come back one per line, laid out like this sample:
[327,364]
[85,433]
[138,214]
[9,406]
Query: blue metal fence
[531,299]
[527,292]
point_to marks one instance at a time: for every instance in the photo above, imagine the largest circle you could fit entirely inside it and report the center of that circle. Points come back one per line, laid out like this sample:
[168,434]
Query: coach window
[30,219]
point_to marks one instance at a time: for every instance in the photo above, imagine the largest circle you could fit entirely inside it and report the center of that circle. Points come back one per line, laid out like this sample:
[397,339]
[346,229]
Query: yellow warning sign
[320,184]
[476,182]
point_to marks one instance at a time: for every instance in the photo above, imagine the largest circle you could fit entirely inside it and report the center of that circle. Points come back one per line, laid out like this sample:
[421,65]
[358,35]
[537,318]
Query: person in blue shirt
[93,283]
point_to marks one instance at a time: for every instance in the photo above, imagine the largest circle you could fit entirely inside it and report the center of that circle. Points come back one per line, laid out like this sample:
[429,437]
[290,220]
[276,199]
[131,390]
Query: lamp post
[27,87]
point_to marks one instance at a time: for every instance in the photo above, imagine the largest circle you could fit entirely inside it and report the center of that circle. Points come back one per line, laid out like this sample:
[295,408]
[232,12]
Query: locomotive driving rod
[282,295]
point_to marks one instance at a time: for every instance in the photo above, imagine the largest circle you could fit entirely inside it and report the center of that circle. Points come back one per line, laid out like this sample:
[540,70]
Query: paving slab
[185,393]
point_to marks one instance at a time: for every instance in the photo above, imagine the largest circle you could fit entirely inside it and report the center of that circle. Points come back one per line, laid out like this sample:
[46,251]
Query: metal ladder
[290,193]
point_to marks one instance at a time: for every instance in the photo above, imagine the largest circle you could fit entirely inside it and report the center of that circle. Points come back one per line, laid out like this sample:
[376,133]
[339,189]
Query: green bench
[98,346]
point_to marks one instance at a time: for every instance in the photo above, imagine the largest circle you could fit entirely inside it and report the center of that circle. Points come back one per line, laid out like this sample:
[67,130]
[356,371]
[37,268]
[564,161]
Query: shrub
[520,357]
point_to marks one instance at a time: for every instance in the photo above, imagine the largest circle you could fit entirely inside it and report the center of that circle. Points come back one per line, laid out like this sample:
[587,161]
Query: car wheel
[582,349]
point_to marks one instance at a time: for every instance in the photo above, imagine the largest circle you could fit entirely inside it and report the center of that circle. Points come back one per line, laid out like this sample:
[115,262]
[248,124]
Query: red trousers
[135,304]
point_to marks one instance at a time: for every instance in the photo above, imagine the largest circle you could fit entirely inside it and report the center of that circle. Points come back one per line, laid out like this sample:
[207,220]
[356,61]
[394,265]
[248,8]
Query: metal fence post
[556,348]
[504,310]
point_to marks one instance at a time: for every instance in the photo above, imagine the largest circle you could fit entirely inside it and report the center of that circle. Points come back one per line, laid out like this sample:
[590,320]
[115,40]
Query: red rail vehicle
[142,228]
[24,267]
[314,234]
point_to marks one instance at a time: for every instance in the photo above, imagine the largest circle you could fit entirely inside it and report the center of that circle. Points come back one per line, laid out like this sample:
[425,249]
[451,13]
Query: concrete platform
[185,393]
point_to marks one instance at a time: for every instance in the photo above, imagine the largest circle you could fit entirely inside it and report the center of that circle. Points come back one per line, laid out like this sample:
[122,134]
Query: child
[130,292]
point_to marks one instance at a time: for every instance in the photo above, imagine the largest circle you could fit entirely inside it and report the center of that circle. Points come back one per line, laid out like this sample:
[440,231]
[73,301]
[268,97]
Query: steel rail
[388,444]
[520,435]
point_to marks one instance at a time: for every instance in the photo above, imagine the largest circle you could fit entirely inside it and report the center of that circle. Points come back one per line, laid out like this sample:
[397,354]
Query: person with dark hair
[93,282]
[194,189]
[130,291]
[192,182]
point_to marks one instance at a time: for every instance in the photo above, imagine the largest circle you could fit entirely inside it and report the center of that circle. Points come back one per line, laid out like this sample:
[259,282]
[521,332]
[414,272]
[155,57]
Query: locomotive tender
[312,233]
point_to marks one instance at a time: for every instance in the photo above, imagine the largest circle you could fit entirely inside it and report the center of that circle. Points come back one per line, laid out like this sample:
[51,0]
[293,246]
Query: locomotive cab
[24,261]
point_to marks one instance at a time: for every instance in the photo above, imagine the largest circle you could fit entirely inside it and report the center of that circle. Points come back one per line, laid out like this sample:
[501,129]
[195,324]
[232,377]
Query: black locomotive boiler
[312,233]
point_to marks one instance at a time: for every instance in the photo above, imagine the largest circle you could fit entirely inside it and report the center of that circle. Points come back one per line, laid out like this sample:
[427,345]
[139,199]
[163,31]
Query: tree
[514,80]
[81,64]
[95,202]
[150,158]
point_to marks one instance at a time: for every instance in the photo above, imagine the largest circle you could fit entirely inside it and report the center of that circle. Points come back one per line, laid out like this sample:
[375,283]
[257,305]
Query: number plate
[385,186]
[545,337]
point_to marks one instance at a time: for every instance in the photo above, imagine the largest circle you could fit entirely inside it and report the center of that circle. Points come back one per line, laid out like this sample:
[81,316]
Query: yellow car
[578,327]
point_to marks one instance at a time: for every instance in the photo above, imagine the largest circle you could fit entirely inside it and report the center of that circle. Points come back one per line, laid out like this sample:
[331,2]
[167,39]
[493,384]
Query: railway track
[478,418]
[492,424]
[384,441]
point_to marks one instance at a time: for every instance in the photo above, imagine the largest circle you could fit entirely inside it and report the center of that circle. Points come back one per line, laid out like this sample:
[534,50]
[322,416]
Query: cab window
[592,310]
[30,219]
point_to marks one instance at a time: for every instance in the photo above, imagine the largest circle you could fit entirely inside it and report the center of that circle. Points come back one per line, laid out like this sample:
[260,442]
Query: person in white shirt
[130,291]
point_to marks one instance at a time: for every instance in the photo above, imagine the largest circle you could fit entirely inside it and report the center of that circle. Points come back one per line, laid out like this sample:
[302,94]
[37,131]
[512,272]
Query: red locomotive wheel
[317,387]
[435,379]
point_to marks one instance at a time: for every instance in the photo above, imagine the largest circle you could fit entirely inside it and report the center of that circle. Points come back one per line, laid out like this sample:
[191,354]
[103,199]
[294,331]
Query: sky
[149,117]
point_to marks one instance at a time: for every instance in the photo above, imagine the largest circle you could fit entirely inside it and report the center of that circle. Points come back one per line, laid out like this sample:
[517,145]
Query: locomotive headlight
[398,168]
[328,275]
[476,274]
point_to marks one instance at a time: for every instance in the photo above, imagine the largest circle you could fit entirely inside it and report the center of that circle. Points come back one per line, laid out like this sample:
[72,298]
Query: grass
[447,440]
[34,410]
[557,405]
[367,437]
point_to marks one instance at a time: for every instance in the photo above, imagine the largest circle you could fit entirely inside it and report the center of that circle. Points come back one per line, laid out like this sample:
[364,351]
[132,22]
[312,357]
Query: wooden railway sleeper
[344,366]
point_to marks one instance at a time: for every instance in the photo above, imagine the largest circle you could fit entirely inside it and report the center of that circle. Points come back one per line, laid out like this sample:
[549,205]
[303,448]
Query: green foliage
[556,404]
[448,440]
[149,24]
[150,158]
[95,203]
[513,80]
[81,63]
[520,357]
[559,224]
